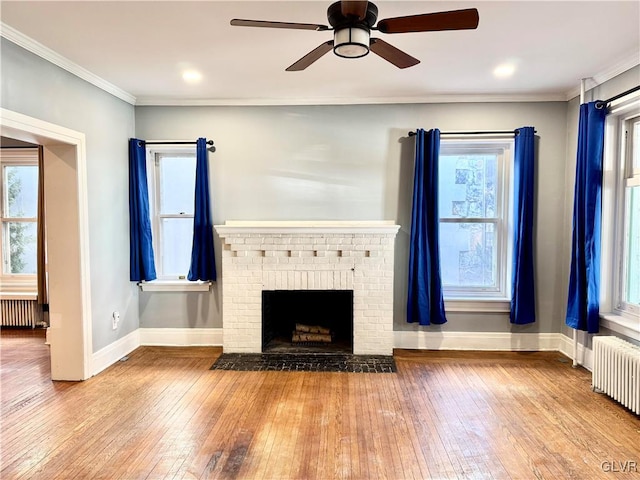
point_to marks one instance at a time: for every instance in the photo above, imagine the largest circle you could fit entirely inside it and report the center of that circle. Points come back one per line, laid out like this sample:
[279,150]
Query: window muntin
[19,211]
[474,215]
[173,183]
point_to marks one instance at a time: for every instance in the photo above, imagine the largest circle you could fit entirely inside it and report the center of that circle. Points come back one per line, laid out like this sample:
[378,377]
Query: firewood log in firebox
[302,328]
[302,337]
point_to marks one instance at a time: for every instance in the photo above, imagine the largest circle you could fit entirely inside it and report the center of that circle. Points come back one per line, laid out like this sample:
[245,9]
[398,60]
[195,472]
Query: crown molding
[632,59]
[51,56]
[444,98]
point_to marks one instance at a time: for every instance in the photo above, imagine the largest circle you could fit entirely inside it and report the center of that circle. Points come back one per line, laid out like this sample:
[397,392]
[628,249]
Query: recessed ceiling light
[504,70]
[191,76]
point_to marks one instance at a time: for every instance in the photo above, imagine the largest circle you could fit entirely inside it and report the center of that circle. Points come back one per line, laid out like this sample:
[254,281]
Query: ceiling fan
[352,23]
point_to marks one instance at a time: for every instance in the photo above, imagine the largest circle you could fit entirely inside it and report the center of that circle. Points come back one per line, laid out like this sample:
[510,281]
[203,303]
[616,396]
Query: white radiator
[616,370]
[19,313]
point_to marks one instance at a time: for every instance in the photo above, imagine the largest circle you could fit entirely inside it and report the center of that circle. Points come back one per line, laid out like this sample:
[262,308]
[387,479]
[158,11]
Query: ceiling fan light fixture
[351,42]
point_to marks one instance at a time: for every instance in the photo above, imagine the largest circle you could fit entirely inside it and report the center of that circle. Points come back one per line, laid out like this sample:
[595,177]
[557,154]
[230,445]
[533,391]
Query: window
[474,188]
[620,270]
[19,209]
[171,192]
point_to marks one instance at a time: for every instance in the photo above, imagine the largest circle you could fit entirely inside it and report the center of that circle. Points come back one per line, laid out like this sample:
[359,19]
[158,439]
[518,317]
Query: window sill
[19,289]
[477,305]
[18,295]
[627,326]
[174,286]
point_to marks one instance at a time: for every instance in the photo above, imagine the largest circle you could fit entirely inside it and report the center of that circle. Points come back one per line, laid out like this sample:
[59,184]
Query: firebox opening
[307,321]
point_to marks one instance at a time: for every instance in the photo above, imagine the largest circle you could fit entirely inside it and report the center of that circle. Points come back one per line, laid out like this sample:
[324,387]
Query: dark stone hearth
[305,363]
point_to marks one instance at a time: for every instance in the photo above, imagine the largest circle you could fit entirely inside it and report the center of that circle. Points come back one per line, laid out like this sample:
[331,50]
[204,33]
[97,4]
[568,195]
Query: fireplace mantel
[301,227]
[307,255]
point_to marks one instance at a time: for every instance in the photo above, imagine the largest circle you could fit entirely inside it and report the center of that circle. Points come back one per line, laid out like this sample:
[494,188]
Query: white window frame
[614,313]
[487,299]
[165,283]
[14,282]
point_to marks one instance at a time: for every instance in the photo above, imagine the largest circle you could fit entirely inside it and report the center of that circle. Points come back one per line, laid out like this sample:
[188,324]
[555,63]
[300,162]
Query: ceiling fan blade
[238,22]
[392,54]
[357,9]
[311,57]
[431,22]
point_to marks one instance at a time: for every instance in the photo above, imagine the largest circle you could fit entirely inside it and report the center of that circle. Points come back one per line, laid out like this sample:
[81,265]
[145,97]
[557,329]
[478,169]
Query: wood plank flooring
[162,414]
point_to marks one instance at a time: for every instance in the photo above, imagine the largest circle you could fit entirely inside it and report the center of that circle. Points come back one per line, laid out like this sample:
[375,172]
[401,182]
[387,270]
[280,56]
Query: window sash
[624,303]
[633,167]
[6,249]
[159,182]
[471,290]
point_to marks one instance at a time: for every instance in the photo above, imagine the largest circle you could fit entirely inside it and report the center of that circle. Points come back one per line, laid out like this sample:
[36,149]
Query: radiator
[616,370]
[19,313]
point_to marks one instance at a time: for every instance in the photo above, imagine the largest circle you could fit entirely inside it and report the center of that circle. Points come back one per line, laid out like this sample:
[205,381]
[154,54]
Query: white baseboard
[585,355]
[169,337]
[181,337]
[110,354]
[489,341]
[500,341]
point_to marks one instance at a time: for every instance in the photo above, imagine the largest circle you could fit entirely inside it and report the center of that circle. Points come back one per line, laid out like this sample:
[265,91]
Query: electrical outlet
[115,320]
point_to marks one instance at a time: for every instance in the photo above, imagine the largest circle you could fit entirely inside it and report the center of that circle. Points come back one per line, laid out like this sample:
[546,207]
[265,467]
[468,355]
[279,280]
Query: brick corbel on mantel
[356,256]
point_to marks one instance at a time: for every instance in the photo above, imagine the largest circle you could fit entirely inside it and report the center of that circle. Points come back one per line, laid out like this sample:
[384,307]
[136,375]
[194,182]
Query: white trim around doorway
[29,129]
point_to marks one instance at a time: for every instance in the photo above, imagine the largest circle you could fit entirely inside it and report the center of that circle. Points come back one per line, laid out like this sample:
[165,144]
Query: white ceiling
[143,47]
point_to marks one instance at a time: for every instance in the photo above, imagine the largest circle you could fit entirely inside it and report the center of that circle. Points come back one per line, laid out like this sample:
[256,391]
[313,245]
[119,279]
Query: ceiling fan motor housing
[338,20]
[351,34]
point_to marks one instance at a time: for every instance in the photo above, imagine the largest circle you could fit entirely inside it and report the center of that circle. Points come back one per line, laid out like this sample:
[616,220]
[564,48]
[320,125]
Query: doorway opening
[64,159]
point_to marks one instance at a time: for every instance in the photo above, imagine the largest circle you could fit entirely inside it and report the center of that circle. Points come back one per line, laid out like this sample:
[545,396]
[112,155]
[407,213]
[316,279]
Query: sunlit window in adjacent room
[19,214]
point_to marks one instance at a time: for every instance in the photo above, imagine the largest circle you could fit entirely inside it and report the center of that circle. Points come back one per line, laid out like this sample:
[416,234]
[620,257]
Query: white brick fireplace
[355,256]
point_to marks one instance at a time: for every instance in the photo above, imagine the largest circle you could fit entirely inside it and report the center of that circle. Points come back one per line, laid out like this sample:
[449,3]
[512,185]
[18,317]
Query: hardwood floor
[443,415]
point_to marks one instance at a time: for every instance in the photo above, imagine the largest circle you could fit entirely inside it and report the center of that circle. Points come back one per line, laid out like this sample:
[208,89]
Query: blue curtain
[584,282]
[425,303]
[203,262]
[141,263]
[523,305]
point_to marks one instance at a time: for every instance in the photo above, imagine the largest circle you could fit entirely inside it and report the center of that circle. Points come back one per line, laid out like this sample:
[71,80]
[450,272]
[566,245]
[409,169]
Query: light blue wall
[39,89]
[353,163]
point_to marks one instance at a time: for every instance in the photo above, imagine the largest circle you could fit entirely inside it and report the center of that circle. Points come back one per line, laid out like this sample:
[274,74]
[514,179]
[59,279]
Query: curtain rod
[604,103]
[209,142]
[494,132]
